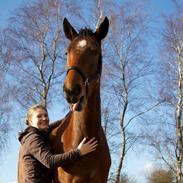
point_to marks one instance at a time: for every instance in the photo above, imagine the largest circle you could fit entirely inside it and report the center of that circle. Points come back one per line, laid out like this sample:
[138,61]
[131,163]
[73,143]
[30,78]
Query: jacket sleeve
[39,150]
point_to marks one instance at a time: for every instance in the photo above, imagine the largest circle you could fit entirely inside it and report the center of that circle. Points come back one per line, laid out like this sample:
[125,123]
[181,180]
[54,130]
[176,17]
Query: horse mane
[85,32]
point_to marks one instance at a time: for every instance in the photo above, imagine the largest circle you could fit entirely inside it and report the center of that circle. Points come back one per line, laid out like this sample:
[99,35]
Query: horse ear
[102,30]
[69,31]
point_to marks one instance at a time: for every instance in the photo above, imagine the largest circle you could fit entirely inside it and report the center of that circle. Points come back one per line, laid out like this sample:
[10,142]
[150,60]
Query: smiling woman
[36,158]
[37,117]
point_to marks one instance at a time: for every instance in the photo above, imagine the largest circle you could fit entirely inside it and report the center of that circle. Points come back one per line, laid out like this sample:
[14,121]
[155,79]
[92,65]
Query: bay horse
[82,91]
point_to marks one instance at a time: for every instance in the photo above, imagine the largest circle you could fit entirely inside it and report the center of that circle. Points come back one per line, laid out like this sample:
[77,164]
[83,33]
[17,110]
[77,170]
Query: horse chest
[81,171]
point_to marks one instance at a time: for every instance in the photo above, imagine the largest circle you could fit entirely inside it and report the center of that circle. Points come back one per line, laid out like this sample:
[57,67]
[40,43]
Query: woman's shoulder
[28,134]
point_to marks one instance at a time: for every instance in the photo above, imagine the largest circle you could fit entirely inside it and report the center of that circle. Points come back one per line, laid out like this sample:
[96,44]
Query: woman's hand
[87,147]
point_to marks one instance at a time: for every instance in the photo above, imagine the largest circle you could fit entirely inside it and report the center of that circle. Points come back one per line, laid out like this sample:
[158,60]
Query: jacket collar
[29,130]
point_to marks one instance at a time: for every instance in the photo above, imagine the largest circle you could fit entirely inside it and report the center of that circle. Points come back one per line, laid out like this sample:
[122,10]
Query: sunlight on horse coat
[82,92]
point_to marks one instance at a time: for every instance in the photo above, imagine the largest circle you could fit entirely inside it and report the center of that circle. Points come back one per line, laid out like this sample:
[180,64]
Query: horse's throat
[89,119]
[93,108]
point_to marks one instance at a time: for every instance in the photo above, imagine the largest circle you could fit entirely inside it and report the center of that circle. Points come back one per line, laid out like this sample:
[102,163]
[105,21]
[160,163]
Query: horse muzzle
[74,97]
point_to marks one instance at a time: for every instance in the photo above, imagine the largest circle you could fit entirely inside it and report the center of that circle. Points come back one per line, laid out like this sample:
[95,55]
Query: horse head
[84,63]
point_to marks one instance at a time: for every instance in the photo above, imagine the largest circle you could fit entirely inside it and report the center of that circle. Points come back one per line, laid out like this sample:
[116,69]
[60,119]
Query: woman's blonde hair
[32,109]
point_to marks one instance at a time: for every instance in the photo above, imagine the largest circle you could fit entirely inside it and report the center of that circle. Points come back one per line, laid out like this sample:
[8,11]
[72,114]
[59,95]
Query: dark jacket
[36,159]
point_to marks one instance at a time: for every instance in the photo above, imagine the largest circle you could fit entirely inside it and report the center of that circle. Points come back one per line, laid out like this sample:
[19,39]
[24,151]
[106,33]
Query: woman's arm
[36,146]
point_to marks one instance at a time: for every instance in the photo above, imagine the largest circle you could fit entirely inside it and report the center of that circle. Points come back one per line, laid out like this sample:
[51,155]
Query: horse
[82,91]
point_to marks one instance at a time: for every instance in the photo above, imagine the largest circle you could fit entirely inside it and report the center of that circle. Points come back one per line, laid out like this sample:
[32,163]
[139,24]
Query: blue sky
[6,7]
[8,163]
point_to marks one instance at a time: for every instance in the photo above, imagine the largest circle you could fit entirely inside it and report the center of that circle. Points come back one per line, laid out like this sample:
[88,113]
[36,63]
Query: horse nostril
[72,94]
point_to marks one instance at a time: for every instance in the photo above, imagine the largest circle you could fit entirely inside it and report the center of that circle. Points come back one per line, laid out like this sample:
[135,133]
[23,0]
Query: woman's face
[40,119]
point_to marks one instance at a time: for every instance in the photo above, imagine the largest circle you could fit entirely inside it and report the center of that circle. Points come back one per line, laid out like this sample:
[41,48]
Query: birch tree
[128,72]
[35,38]
[173,40]
[5,93]
[167,140]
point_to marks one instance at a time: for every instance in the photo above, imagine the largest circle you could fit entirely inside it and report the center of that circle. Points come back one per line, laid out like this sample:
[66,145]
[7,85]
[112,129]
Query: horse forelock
[81,43]
[84,40]
[85,32]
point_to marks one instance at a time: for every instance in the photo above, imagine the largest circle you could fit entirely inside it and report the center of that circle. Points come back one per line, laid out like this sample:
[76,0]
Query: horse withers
[82,92]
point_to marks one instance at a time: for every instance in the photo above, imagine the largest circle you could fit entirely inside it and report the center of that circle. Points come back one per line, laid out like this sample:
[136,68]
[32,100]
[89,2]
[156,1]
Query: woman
[36,158]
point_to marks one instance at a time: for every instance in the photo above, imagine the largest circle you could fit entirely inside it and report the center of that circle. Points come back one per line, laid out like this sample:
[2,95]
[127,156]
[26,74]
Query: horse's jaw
[78,106]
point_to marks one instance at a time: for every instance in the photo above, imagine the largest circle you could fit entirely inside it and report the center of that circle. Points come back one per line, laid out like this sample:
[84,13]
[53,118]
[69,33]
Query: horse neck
[90,117]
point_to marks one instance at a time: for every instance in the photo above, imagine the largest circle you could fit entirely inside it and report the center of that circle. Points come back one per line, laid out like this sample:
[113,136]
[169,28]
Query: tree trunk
[123,146]
[179,122]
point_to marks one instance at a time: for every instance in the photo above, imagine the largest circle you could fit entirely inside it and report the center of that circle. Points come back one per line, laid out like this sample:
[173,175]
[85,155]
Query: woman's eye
[45,115]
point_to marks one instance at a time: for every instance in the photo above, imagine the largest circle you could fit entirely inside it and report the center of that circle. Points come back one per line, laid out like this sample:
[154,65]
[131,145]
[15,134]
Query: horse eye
[65,53]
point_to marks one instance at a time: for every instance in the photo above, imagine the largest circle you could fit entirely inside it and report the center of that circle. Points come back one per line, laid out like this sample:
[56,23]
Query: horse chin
[78,106]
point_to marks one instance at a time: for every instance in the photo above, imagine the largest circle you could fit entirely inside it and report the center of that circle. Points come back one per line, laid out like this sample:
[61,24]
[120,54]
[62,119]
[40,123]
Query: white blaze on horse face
[82,43]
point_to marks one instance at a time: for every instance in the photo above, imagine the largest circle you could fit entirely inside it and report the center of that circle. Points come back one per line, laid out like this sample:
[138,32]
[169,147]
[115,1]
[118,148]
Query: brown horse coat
[82,91]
